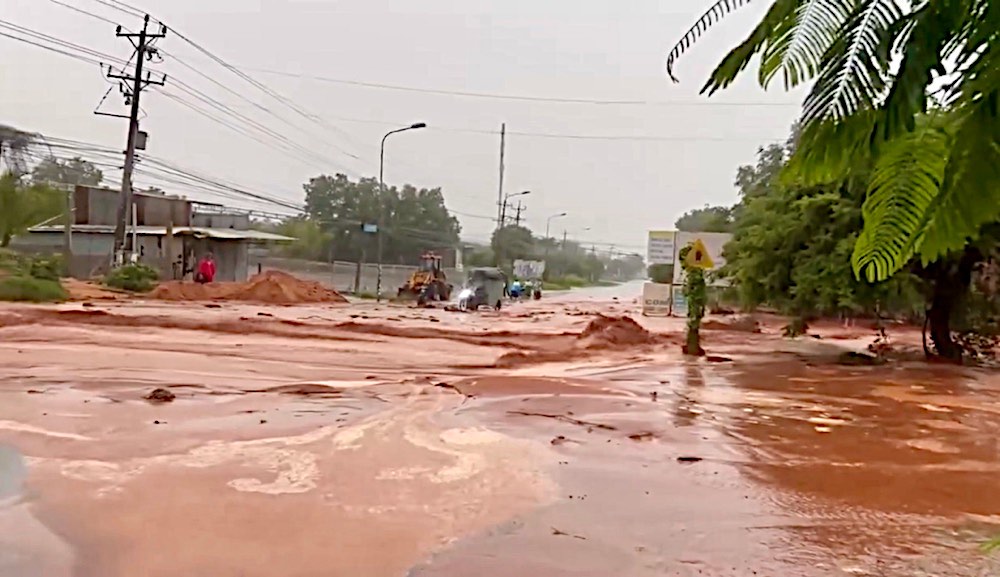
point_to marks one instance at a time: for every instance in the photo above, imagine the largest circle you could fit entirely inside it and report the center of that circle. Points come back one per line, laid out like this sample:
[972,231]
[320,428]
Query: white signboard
[680,304]
[529,269]
[655,299]
[661,247]
[714,242]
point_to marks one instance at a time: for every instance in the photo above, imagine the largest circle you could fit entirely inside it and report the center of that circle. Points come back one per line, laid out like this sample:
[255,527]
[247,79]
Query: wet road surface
[378,440]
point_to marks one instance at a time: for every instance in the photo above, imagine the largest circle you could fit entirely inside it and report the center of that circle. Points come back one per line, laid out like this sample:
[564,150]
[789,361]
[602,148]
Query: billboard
[529,269]
[661,248]
[713,243]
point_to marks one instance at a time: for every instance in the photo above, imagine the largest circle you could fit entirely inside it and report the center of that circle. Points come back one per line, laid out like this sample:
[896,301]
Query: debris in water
[689,459]
[646,436]
[564,418]
[558,440]
[559,533]
[160,396]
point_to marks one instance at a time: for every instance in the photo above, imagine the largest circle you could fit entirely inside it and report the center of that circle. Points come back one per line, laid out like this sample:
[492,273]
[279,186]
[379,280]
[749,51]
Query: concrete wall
[208,220]
[340,275]
[100,206]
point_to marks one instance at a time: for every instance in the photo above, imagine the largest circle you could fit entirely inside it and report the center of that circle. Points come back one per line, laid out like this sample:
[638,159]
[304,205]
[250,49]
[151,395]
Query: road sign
[698,256]
[660,249]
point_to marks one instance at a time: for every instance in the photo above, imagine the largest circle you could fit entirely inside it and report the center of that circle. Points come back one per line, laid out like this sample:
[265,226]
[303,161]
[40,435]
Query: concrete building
[170,234]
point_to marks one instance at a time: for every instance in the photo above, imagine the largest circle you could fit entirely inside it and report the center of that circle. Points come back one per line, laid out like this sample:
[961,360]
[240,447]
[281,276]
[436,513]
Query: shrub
[133,277]
[50,268]
[29,289]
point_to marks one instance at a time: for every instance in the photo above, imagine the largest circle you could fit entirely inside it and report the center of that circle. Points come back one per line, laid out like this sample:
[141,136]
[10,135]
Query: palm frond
[716,12]
[739,58]
[800,42]
[904,186]
[936,32]
[830,151]
[970,196]
[854,66]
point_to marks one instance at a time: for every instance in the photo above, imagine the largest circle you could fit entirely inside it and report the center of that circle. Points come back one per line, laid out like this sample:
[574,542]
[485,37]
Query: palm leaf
[970,196]
[716,12]
[935,31]
[854,66]
[831,150]
[739,58]
[905,183]
[800,42]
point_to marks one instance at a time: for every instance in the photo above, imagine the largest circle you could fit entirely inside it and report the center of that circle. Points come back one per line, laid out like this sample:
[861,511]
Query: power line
[516,97]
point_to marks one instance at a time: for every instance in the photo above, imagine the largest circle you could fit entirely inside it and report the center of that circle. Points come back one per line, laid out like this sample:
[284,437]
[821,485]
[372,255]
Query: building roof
[195,231]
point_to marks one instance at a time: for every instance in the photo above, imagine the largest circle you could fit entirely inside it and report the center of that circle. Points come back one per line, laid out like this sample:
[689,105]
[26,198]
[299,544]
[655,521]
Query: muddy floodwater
[541,440]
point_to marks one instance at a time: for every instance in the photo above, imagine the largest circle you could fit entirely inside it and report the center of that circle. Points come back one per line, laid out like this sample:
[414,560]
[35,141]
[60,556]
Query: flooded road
[541,440]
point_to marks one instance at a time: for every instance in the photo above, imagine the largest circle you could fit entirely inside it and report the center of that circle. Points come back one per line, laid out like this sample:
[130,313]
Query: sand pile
[605,331]
[273,287]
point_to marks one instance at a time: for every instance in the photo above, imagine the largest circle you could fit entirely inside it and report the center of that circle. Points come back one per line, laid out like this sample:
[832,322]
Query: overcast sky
[681,150]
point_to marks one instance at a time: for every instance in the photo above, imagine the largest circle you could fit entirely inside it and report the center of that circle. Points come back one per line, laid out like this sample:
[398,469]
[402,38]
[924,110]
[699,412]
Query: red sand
[607,331]
[272,287]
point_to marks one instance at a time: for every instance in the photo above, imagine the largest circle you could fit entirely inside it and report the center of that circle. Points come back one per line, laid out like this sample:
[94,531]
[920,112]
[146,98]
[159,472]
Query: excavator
[428,282]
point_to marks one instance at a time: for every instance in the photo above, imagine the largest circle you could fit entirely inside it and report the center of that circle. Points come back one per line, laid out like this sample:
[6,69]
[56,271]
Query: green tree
[513,242]
[73,171]
[311,241]
[414,220]
[935,180]
[22,206]
[707,219]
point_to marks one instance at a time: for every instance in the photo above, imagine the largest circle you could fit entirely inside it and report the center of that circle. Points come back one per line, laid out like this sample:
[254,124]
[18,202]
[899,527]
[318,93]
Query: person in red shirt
[206,269]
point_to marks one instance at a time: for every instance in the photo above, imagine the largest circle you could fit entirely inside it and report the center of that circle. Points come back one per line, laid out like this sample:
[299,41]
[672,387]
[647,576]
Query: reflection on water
[12,473]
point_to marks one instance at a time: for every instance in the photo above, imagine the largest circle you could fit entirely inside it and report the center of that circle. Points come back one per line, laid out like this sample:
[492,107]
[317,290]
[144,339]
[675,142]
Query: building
[170,234]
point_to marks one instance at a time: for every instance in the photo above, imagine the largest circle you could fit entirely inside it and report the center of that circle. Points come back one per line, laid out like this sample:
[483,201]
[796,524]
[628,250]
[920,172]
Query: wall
[340,275]
[230,257]
[209,220]
[100,206]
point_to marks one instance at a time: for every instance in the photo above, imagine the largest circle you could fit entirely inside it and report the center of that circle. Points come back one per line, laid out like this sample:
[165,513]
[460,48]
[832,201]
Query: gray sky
[589,49]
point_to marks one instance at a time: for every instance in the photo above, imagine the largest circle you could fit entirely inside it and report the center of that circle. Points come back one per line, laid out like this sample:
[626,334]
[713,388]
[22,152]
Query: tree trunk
[5,240]
[952,279]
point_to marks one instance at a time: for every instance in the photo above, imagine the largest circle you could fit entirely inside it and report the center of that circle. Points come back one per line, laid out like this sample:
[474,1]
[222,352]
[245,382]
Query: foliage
[47,268]
[707,219]
[479,256]
[72,171]
[311,241]
[792,246]
[661,273]
[413,220]
[512,242]
[696,295]
[27,288]
[133,277]
[23,206]
[872,65]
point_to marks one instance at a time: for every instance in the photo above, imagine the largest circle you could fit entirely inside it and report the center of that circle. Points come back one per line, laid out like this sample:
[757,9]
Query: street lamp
[503,207]
[381,201]
[548,222]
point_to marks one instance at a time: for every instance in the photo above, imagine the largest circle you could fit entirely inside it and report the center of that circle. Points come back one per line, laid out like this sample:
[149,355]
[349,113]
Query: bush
[661,273]
[29,289]
[133,277]
[51,268]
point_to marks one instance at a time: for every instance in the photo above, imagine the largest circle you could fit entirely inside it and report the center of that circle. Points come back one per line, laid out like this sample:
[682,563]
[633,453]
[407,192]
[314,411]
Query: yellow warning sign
[698,256]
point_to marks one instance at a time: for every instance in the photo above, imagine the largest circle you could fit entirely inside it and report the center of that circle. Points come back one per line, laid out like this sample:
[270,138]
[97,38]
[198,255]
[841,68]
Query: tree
[23,206]
[73,171]
[935,180]
[707,219]
[792,243]
[512,242]
[14,148]
[413,220]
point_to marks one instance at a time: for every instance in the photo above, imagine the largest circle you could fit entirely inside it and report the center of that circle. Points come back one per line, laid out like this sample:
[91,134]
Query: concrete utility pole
[519,210]
[142,41]
[503,146]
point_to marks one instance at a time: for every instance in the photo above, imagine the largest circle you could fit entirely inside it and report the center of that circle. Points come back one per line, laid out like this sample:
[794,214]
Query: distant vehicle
[484,287]
[428,282]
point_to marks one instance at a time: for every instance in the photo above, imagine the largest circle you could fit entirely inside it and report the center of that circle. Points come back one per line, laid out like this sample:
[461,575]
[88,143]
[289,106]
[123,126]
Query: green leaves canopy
[877,67]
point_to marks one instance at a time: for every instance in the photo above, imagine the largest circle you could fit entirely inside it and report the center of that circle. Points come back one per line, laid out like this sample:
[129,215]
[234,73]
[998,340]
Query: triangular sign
[698,256]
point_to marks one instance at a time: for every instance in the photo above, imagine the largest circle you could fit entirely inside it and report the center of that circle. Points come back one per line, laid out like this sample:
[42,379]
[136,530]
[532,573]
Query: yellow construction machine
[428,282]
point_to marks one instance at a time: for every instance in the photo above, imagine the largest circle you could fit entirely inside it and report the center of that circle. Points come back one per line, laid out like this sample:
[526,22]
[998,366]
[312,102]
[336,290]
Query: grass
[22,288]
[133,277]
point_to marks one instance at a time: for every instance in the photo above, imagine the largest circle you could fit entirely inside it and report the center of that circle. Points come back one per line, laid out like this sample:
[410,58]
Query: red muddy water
[564,437]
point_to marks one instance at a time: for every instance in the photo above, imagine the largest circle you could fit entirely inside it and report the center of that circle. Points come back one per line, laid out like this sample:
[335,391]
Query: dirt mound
[272,287]
[79,290]
[605,331]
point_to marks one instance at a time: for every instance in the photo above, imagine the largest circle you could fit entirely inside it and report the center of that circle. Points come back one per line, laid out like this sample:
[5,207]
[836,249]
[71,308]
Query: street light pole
[381,202]
[548,224]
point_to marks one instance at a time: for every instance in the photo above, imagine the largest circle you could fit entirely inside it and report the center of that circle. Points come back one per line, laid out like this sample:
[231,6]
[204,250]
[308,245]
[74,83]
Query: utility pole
[142,41]
[564,240]
[500,199]
[517,217]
